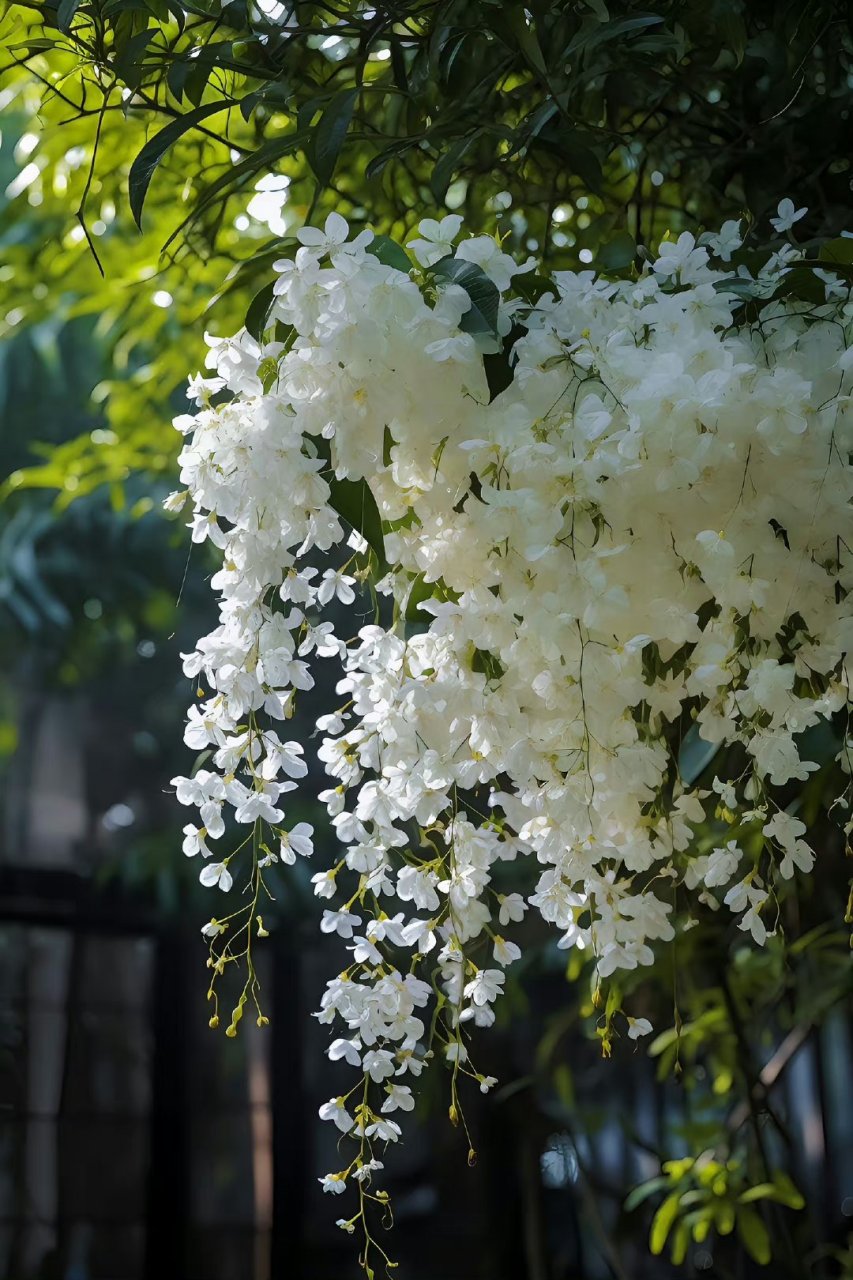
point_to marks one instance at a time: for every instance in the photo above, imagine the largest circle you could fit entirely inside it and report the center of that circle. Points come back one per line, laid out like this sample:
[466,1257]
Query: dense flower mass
[606,527]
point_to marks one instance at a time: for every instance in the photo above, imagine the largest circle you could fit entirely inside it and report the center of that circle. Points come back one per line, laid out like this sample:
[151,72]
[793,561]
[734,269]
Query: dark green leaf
[129,63]
[618,252]
[754,1235]
[482,316]
[515,21]
[498,366]
[838,252]
[65,12]
[329,134]
[695,755]
[390,253]
[532,287]
[419,591]
[258,312]
[142,169]
[448,163]
[378,163]
[354,502]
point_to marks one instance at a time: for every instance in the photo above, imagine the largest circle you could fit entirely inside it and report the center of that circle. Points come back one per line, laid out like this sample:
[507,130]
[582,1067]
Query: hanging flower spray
[605,525]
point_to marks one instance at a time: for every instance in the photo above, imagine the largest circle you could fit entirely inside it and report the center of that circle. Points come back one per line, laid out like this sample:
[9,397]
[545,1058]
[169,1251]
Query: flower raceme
[629,548]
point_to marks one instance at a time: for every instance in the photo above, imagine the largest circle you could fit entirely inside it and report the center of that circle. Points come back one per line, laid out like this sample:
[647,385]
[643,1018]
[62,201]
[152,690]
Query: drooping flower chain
[645,527]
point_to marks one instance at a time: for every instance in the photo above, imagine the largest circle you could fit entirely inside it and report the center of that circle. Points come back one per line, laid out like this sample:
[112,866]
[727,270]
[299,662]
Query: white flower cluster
[639,542]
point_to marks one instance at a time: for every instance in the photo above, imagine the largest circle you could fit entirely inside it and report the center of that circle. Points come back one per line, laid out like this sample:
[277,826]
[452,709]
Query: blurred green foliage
[577,128]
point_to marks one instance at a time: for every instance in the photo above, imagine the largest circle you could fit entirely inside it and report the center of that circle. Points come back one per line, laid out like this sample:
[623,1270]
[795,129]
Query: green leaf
[142,169]
[584,162]
[329,134]
[606,32]
[419,591]
[498,366]
[482,317]
[695,755]
[754,1235]
[448,163]
[636,1196]
[129,63]
[258,312]
[618,252]
[354,502]
[390,253]
[515,19]
[65,11]
[761,1191]
[663,1221]
[680,1243]
[839,252]
[532,287]
[378,163]
[786,1192]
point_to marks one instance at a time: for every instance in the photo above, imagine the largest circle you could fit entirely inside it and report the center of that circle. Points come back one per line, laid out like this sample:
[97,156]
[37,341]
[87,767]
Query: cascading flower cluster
[605,522]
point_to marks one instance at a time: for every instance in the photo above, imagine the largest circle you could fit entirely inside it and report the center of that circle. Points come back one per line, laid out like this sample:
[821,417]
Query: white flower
[485,987]
[726,241]
[505,952]
[349,1050]
[641,532]
[383,1130]
[500,267]
[339,922]
[787,215]
[324,884]
[296,841]
[437,239]
[335,1110]
[334,1183]
[336,584]
[333,235]
[512,908]
[379,1064]
[194,841]
[399,1098]
[722,864]
[216,873]
[681,257]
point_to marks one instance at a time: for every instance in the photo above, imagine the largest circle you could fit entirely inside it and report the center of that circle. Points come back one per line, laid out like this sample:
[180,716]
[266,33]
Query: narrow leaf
[330,133]
[663,1221]
[447,165]
[142,169]
[754,1235]
[65,12]
[258,312]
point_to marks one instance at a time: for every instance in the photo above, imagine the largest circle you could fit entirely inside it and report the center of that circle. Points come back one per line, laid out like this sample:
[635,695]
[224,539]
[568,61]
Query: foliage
[575,128]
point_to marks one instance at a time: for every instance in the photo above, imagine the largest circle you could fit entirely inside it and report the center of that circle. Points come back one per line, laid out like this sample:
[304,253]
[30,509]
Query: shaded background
[135,1142]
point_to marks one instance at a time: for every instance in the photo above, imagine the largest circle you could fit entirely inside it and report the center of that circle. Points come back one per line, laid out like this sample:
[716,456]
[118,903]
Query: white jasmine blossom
[629,560]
